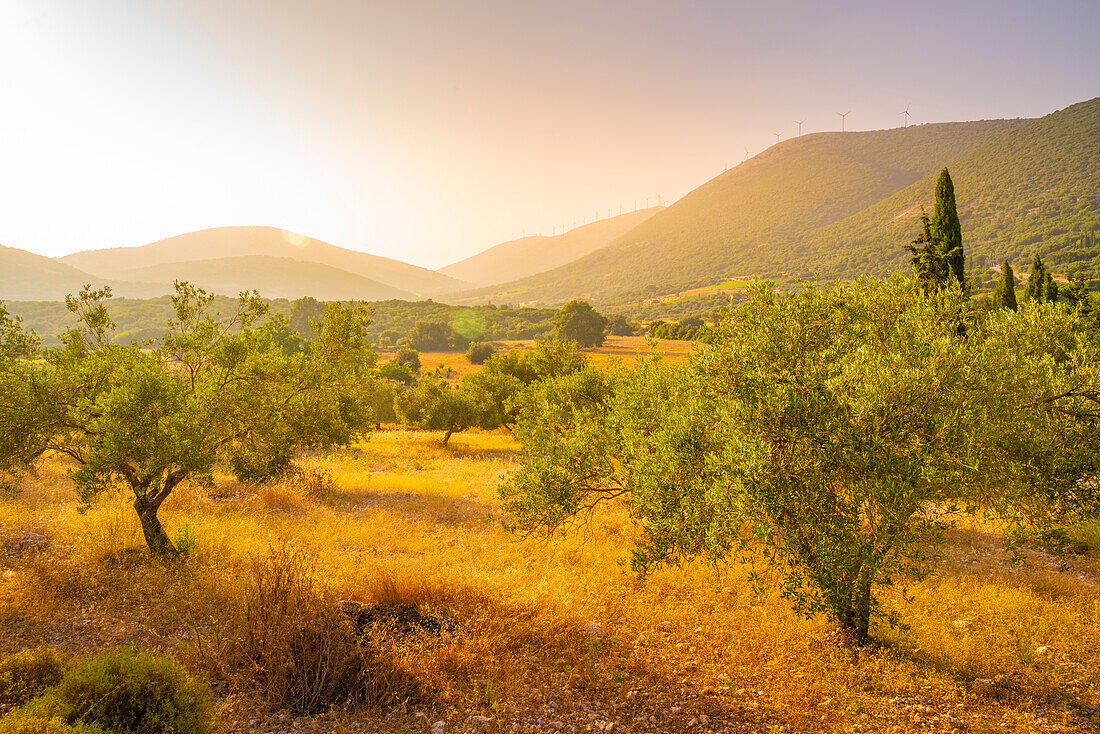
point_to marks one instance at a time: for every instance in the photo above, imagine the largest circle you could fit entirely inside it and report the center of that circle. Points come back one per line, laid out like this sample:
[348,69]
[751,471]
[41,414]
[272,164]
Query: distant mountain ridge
[734,224]
[1036,188]
[841,205]
[224,242]
[273,277]
[530,255]
[27,276]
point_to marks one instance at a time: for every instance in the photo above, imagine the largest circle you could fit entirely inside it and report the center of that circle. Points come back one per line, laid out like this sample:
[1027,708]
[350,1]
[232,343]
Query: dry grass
[625,349]
[401,519]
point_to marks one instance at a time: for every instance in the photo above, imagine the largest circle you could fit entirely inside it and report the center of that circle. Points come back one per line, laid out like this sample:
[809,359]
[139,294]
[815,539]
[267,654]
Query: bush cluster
[120,691]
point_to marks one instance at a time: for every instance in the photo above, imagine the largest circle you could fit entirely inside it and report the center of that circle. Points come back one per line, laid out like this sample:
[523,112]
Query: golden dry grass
[400,517]
[625,349]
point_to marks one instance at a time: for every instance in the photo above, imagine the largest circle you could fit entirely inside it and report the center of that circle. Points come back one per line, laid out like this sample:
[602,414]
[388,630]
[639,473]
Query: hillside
[26,276]
[273,277]
[750,218]
[1037,187]
[530,255]
[220,242]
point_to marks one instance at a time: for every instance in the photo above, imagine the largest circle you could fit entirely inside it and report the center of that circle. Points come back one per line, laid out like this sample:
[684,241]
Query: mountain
[530,255]
[1034,188]
[222,242]
[26,276]
[751,218]
[273,277]
[841,205]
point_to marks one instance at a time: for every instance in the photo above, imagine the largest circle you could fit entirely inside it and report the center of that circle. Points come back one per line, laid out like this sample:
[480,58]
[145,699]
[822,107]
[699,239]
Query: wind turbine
[799,123]
[748,154]
[842,116]
[906,113]
[777,137]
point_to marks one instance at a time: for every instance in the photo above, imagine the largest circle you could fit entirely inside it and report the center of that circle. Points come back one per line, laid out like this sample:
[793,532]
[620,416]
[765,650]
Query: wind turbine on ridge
[799,123]
[842,116]
[906,113]
[777,137]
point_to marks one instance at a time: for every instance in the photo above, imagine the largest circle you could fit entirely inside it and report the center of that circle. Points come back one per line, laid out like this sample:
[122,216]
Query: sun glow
[293,238]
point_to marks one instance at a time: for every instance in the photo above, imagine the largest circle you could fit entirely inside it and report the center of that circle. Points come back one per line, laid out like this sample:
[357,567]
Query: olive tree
[830,435]
[149,416]
[578,322]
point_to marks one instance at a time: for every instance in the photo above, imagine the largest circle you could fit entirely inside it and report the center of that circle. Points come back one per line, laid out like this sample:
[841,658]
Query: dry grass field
[545,634]
[626,349]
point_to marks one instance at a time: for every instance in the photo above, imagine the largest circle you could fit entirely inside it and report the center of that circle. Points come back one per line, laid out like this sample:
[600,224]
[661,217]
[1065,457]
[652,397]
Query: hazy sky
[427,130]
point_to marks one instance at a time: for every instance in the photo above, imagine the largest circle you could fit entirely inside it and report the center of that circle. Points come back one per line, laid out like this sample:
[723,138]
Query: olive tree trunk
[147,503]
[156,538]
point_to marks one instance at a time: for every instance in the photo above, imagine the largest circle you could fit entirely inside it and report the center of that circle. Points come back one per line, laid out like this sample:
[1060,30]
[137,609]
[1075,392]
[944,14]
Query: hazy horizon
[428,131]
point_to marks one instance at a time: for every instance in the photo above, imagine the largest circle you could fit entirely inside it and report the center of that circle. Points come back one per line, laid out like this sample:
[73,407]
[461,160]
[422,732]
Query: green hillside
[273,277]
[530,255]
[390,319]
[748,219]
[1035,188]
[222,242]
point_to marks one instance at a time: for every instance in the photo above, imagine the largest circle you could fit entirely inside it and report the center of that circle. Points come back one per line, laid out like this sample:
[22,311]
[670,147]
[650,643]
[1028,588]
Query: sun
[293,238]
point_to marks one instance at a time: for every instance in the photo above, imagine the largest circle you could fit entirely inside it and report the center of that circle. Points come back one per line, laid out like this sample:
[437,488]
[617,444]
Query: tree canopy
[578,322]
[239,389]
[828,434]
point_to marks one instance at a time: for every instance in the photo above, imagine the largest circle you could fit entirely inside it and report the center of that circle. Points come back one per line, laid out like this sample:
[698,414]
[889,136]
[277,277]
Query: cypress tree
[1077,293]
[1035,279]
[1050,287]
[1040,282]
[1004,295]
[946,230]
[929,266]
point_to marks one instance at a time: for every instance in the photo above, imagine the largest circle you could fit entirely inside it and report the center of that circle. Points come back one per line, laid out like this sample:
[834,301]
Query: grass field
[626,349]
[552,634]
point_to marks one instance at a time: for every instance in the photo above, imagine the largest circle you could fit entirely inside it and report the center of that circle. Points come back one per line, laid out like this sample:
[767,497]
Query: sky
[428,130]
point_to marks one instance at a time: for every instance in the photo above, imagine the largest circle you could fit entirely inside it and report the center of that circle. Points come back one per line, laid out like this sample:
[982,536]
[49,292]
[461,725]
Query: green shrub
[133,692]
[1086,534]
[18,724]
[27,674]
[46,714]
[479,352]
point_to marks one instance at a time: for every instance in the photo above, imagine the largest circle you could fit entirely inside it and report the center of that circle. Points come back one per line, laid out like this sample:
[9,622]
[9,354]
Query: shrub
[133,692]
[25,724]
[300,648]
[479,352]
[27,674]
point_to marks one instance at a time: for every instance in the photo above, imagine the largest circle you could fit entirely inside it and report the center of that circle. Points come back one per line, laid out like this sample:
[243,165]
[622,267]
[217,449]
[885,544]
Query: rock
[478,720]
[664,625]
[593,629]
[1042,650]
[31,541]
[437,727]
[985,687]
[961,624]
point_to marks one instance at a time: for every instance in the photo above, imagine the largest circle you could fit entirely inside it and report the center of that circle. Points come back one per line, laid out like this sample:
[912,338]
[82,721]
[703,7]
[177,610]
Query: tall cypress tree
[1004,295]
[1035,280]
[1040,282]
[946,229]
